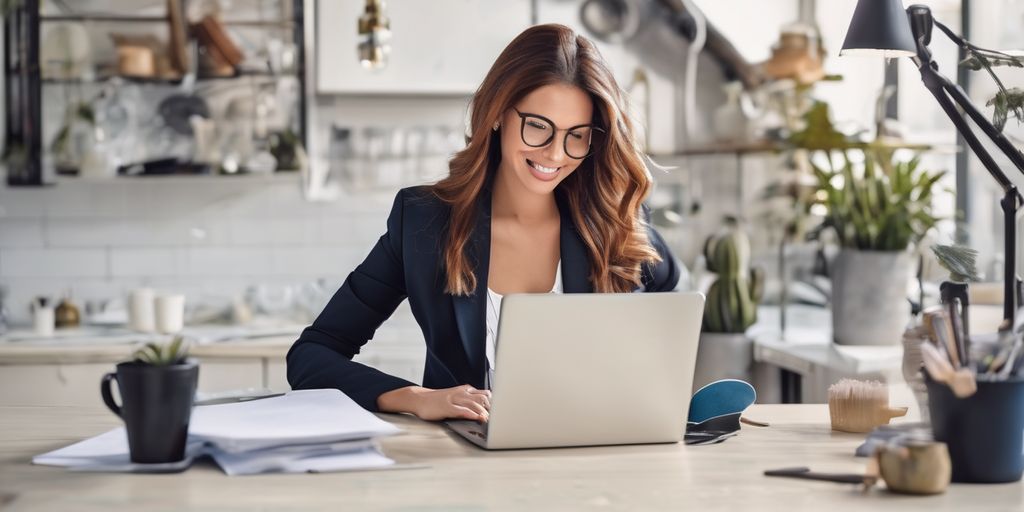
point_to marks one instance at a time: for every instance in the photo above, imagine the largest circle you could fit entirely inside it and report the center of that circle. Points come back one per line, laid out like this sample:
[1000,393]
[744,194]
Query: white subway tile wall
[205,237]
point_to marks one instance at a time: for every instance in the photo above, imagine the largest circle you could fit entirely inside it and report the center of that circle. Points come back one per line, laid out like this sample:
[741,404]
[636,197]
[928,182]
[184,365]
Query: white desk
[807,349]
[461,477]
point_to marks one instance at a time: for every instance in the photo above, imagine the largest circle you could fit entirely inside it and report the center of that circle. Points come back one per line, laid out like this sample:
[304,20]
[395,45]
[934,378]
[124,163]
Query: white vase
[869,297]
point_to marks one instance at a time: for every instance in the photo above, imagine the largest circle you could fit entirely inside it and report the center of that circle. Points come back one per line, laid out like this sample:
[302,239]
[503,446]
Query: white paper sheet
[353,455]
[109,452]
[298,417]
[303,431]
[107,449]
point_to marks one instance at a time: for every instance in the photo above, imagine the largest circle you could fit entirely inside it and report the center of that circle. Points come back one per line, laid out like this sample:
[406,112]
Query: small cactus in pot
[731,305]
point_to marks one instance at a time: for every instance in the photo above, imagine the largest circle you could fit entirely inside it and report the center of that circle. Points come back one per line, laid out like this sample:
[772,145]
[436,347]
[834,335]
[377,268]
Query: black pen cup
[156,406]
[984,432]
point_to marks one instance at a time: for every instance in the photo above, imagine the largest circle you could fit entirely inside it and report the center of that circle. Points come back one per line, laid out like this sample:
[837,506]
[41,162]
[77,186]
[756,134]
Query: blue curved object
[719,398]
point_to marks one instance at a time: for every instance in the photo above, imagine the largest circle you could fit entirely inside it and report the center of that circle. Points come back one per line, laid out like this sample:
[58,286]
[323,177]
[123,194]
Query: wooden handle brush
[860,406]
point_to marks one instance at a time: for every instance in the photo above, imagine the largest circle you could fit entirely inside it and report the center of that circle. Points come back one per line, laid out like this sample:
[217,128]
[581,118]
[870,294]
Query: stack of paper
[315,430]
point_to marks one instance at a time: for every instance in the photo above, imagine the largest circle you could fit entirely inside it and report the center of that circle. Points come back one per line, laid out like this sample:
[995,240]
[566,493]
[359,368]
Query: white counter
[66,369]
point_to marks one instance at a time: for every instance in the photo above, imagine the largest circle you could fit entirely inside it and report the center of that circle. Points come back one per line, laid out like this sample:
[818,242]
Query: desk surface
[461,477]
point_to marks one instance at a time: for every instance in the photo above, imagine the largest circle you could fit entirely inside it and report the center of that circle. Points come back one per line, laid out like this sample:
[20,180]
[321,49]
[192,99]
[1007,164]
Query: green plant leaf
[960,261]
[886,205]
[162,355]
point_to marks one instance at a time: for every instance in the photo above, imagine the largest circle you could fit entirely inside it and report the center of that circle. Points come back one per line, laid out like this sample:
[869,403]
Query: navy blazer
[408,261]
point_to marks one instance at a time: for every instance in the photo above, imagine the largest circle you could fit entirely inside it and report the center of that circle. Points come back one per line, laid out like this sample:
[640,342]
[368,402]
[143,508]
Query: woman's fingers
[467,414]
[474,406]
[483,400]
[482,396]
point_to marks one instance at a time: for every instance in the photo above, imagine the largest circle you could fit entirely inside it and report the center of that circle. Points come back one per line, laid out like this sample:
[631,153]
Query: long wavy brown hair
[604,193]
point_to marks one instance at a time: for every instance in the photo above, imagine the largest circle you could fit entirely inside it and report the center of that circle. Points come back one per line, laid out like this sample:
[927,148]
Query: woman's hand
[464,402]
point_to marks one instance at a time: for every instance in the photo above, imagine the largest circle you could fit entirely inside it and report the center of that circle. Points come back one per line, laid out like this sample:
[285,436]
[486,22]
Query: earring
[496,125]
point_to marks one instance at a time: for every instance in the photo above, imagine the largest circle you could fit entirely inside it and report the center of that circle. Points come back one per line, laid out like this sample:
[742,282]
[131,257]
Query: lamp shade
[881,28]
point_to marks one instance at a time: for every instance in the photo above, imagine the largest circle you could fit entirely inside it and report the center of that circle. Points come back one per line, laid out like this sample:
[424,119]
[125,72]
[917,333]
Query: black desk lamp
[880,27]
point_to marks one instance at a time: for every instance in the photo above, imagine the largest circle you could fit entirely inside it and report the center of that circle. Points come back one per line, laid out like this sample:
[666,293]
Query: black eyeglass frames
[538,131]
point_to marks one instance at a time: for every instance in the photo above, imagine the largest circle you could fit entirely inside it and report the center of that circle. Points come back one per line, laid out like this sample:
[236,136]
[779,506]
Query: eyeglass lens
[538,132]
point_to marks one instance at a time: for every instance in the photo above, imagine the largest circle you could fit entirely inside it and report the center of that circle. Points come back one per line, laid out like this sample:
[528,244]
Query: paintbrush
[940,329]
[960,380]
[959,336]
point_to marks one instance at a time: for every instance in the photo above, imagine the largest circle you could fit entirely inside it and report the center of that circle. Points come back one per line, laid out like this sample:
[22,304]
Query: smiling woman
[546,197]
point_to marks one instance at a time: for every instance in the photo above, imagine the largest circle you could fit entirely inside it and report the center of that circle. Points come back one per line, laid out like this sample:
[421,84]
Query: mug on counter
[149,311]
[43,317]
[141,314]
[170,313]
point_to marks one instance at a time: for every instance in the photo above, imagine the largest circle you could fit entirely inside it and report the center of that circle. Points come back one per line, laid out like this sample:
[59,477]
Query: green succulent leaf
[884,205]
[960,261]
[155,354]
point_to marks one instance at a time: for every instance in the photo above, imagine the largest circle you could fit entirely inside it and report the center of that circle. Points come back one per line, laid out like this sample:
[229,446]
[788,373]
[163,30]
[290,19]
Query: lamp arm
[1005,146]
[943,90]
[939,85]
[950,34]
[963,43]
[950,95]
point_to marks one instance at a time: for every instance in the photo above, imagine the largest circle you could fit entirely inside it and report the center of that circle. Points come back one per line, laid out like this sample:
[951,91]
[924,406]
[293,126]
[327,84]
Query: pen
[234,399]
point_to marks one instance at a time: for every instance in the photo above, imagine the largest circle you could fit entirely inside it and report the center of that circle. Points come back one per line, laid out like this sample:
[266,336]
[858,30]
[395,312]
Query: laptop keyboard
[472,428]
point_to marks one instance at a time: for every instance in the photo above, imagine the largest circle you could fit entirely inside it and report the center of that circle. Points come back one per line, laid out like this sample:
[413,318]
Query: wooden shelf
[100,80]
[730,149]
[259,23]
[106,18]
[114,18]
[244,74]
[777,147]
[163,81]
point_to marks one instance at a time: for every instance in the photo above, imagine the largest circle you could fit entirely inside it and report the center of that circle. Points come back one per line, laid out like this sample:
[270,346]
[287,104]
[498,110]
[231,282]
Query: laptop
[590,369]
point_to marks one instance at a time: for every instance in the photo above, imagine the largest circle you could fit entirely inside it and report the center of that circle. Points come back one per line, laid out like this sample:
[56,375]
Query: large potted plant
[878,207]
[157,389]
[725,351]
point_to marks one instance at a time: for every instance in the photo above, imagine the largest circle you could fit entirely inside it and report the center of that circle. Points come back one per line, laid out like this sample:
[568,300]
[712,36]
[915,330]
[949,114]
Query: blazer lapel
[575,262]
[471,311]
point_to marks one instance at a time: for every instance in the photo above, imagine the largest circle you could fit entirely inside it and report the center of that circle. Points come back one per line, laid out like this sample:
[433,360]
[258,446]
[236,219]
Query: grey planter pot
[869,297]
[731,356]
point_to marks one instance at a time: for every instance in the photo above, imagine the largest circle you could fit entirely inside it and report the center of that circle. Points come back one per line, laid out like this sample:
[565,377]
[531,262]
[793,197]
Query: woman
[545,197]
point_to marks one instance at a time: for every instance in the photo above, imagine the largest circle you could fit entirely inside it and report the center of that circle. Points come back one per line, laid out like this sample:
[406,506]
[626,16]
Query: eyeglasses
[538,131]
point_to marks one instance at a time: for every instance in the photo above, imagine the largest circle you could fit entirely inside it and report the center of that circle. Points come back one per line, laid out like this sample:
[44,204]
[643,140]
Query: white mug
[141,316]
[170,313]
[43,320]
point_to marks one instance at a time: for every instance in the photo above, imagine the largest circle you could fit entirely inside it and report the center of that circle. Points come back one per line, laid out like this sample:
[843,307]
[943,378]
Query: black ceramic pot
[984,432]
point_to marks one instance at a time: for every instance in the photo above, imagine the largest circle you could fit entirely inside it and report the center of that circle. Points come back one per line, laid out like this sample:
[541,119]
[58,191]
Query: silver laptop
[590,369]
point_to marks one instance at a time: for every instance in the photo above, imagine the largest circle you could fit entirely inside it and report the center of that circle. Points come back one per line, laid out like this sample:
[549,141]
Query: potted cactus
[732,298]
[725,351]
[157,388]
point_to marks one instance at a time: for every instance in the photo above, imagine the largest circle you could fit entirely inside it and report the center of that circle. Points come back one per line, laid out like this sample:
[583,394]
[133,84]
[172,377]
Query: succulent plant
[156,354]
[731,304]
[885,206]
[960,261]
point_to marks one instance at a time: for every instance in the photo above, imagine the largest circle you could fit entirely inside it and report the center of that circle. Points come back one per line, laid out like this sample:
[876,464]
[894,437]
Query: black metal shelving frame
[24,82]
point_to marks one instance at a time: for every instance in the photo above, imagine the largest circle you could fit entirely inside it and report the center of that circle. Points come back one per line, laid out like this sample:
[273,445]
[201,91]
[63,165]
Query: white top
[493,312]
